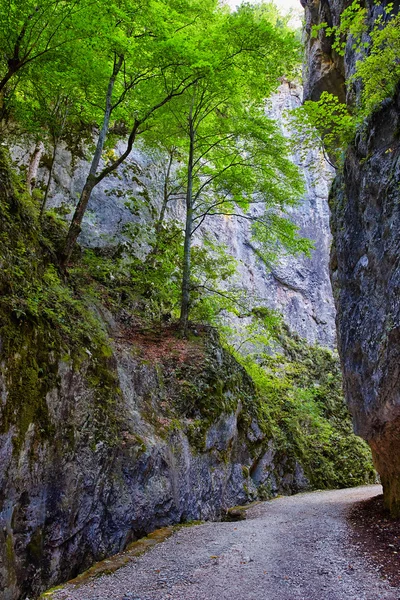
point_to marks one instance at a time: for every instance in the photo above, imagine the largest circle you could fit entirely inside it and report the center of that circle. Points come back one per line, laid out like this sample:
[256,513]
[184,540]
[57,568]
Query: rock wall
[97,449]
[103,440]
[176,441]
[365,200]
[298,287]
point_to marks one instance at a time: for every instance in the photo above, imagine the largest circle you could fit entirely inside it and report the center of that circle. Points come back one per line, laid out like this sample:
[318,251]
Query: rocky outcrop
[365,256]
[298,287]
[173,440]
[104,438]
[108,431]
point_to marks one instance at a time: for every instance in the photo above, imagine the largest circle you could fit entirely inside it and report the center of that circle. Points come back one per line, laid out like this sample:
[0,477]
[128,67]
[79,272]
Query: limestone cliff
[365,255]
[298,287]
[103,440]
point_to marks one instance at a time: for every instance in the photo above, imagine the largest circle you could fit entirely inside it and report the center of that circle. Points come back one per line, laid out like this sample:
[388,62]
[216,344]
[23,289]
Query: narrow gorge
[117,416]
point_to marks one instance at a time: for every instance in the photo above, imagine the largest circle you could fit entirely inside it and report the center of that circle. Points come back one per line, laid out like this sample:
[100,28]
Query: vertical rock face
[111,447]
[365,270]
[299,288]
[176,441]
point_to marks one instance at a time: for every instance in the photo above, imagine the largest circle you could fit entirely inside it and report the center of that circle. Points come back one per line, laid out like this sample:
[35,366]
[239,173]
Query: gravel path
[292,548]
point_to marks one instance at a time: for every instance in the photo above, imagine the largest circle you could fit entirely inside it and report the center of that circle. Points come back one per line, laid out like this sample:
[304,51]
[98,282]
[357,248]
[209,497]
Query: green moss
[265,491]
[34,547]
[300,406]
[245,471]
[197,434]
[30,371]
[42,319]
[112,564]
[10,557]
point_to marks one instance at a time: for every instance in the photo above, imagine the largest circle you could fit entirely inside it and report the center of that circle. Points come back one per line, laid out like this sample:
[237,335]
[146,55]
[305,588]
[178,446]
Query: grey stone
[66,503]
[365,200]
[298,287]
[70,501]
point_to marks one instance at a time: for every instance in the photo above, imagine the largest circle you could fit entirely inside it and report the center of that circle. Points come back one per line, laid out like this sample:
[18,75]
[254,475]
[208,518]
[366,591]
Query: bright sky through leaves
[284,6]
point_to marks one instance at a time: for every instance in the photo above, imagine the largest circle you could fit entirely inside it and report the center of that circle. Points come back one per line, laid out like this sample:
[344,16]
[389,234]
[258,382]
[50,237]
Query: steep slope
[365,255]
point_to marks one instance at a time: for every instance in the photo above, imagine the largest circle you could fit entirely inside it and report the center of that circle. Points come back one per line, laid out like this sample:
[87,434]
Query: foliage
[377,70]
[132,69]
[301,406]
[31,287]
[234,163]
[352,25]
[144,278]
[326,124]
[212,271]
[32,33]
[155,277]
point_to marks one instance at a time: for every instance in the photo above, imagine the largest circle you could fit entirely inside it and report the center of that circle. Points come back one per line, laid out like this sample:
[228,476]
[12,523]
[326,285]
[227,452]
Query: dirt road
[292,548]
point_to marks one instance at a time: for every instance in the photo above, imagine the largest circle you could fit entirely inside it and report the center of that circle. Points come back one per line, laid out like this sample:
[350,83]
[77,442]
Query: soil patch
[377,536]
[166,343]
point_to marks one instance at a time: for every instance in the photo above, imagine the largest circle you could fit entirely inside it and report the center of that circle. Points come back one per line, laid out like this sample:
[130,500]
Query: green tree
[154,54]
[238,167]
[326,124]
[45,110]
[331,123]
[379,70]
[235,156]
[31,32]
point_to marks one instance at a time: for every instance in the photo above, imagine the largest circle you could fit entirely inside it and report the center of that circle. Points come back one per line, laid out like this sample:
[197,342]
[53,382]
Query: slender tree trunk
[34,166]
[75,226]
[166,195]
[152,255]
[185,302]
[46,193]
[91,181]
[56,141]
[3,82]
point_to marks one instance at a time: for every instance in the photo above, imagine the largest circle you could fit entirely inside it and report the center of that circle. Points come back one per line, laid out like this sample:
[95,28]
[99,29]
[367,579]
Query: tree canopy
[188,76]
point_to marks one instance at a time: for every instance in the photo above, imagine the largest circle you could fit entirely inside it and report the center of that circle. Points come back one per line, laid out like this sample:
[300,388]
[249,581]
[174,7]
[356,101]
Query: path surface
[292,548]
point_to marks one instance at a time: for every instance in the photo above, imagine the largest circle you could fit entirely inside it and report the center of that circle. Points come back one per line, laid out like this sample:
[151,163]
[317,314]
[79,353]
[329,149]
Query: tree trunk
[46,193]
[56,140]
[185,302]
[34,166]
[12,69]
[91,181]
[166,195]
[75,226]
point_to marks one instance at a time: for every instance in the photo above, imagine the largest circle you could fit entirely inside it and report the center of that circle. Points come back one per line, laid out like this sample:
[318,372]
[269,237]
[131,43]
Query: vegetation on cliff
[160,78]
[302,407]
[375,38]
[191,74]
[44,319]
[103,400]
